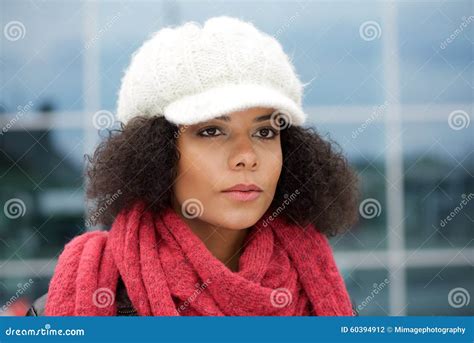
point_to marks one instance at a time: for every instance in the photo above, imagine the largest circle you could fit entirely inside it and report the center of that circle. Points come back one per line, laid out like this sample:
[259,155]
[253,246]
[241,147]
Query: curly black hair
[139,161]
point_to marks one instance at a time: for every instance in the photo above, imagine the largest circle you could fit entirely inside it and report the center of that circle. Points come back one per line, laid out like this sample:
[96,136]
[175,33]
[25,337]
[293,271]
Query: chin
[238,218]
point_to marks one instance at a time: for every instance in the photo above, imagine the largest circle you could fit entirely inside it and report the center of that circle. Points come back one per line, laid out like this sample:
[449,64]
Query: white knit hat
[191,74]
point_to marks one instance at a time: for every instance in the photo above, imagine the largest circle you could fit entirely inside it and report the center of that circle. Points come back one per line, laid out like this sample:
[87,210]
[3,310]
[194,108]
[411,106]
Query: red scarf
[284,270]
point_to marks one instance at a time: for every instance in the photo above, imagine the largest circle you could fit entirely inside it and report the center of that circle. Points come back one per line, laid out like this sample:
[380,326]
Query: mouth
[243,192]
[243,195]
[243,188]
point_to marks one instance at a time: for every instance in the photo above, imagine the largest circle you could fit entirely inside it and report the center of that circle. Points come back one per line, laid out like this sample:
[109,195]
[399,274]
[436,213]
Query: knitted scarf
[284,270]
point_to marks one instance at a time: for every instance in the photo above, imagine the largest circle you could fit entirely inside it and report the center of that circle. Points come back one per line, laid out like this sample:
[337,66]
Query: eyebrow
[258,119]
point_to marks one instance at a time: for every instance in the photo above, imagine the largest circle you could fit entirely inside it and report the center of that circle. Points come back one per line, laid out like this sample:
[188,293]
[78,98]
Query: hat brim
[222,100]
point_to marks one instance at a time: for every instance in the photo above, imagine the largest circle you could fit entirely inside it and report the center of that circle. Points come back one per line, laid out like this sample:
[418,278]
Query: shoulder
[38,306]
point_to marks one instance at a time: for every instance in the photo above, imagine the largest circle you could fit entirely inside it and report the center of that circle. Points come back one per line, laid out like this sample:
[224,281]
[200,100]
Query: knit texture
[284,270]
[191,73]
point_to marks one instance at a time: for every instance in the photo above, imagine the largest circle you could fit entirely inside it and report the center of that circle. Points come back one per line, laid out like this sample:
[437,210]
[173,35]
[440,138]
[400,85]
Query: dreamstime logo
[100,211]
[14,31]
[288,200]
[286,25]
[102,30]
[103,297]
[22,110]
[180,131]
[22,288]
[199,288]
[280,120]
[370,208]
[370,30]
[458,120]
[14,208]
[192,208]
[465,200]
[281,297]
[457,32]
[376,112]
[458,297]
[376,289]
[103,119]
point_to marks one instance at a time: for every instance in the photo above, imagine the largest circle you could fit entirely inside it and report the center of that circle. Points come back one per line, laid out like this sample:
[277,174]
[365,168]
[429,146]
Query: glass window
[435,42]
[17,293]
[364,147]
[42,60]
[336,47]
[440,291]
[327,48]
[41,191]
[438,169]
[369,291]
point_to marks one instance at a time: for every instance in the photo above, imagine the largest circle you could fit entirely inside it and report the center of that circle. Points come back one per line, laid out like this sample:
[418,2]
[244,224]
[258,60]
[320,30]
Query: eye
[210,132]
[267,133]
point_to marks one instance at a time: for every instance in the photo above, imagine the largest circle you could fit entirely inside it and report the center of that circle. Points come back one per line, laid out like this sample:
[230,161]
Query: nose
[243,156]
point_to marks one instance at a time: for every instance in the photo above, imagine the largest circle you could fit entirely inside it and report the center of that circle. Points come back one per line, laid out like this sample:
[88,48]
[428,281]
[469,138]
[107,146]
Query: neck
[224,244]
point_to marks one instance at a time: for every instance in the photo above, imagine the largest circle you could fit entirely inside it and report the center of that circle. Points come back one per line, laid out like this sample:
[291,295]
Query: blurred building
[391,83]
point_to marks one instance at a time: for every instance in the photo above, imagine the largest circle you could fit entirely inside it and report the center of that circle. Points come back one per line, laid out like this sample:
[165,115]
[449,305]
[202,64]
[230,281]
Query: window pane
[440,291]
[335,50]
[438,169]
[435,42]
[366,153]
[41,55]
[41,191]
[369,291]
[324,41]
[17,294]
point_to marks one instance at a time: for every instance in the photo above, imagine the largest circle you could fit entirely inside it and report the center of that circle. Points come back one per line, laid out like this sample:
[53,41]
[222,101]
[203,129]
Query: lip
[243,192]
[243,196]
[243,188]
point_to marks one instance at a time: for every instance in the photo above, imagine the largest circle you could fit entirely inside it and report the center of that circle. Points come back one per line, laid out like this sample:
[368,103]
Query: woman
[219,201]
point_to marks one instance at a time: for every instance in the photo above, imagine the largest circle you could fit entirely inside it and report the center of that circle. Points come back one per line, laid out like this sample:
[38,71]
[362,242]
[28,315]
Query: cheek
[273,164]
[196,171]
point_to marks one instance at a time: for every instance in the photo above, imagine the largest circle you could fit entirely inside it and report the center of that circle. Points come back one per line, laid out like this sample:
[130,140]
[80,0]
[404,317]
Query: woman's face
[240,148]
